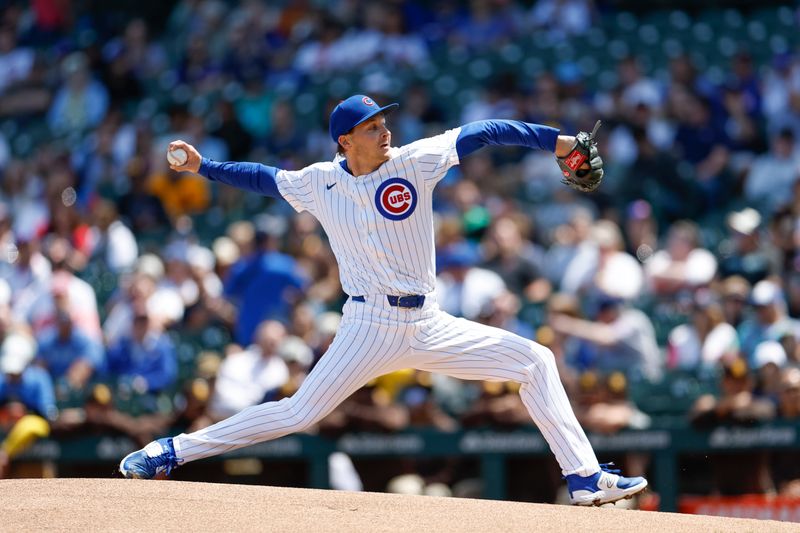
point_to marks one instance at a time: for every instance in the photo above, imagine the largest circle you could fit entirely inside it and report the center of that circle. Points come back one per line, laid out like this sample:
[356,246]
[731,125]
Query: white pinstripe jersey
[380,225]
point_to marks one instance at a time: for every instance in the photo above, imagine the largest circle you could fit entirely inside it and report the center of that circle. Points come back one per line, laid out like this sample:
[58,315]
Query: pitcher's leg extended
[359,353]
[469,350]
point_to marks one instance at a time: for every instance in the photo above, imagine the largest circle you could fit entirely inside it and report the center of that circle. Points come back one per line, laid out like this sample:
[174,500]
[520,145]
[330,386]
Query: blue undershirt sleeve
[478,134]
[253,177]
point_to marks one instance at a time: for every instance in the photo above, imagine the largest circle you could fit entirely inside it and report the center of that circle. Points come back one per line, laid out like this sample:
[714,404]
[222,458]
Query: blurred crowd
[136,300]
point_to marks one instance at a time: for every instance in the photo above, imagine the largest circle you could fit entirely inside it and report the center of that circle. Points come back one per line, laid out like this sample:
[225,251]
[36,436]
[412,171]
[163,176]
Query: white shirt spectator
[467,298]
[687,352]
[772,175]
[699,268]
[244,379]
[121,248]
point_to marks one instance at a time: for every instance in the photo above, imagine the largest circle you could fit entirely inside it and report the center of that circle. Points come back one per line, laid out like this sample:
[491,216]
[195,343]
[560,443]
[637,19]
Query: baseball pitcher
[375,204]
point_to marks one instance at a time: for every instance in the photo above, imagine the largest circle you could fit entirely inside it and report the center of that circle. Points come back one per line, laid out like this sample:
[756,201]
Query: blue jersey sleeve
[253,177]
[505,133]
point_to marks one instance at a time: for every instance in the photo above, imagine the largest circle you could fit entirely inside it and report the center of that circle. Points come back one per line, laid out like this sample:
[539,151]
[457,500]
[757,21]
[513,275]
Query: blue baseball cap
[352,112]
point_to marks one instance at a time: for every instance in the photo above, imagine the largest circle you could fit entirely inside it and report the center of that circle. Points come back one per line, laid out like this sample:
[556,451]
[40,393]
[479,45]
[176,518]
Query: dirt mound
[128,505]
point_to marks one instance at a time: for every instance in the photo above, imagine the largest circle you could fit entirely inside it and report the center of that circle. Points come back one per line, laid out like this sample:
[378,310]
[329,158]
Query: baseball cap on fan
[352,112]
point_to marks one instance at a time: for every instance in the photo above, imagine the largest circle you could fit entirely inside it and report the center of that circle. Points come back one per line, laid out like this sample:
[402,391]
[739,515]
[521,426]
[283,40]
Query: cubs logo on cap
[368,101]
[396,199]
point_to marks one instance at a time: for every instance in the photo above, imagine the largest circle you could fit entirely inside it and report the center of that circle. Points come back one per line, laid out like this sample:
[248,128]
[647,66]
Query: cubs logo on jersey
[396,199]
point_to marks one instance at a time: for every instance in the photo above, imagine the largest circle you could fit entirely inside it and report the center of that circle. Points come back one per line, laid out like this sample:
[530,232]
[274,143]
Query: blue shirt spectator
[264,286]
[19,382]
[33,388]
[145,359]
[67,345]
[82,101]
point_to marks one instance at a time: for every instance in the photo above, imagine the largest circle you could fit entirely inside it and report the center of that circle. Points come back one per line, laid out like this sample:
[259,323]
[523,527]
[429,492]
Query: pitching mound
[127,505]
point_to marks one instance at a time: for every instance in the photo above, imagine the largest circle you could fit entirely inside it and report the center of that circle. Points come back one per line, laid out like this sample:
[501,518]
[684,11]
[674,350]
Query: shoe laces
[605,467]
[167,458]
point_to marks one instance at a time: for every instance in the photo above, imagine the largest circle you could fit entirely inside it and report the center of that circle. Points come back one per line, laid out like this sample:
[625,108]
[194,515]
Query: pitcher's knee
[301,418]
[542,355]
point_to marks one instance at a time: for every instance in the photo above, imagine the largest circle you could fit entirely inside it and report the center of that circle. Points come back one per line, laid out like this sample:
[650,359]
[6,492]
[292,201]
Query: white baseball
[177,157]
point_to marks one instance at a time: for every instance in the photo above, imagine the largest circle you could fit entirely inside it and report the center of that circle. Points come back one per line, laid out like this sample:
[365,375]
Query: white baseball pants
[375,338]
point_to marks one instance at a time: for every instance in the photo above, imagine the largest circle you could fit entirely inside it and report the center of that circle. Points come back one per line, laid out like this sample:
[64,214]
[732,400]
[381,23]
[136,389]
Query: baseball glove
[585,150]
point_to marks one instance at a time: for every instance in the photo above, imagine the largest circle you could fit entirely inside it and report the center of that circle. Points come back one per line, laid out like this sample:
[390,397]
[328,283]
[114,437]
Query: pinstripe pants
[375,339]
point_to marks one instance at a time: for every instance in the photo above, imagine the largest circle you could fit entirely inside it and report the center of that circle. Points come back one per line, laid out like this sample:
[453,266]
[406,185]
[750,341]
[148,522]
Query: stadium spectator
[69,355]
[326,325]
[655,176]
[424,476]
[145,360]
[463,288]
[683,264]
[705,341]
[770,321]
[302,322]
[734,291]
[518,261]
[745,253]
[781,88]
[138,51]
[230,130]
[265,283]
[321,53]
[769,360]
[772,176]
[27,401]
[603,406]
[81,102]
[621,338]
[298,357]
[572,354]
[488,24]
[641,229]
[399,47]
[245,378]
[570,240]
[64,291]
[736,403]
[28,275]
[286,139]
[369,409]
[563,19]
[604,266]
[502,312]
[746,473]
[498,405]
[180,193]
[16,62]
[195,129]
[417,115]
[701,141]
[112,242]
[142,211]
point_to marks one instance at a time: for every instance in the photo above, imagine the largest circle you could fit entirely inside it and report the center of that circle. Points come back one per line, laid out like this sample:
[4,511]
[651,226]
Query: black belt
[413,301]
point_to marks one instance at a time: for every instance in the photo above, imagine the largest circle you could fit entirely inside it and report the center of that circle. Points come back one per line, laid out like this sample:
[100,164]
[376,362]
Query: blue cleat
[606,486]
[155,458]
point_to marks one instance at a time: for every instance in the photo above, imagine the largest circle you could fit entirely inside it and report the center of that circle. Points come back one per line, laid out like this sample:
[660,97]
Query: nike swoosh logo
[331,186]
